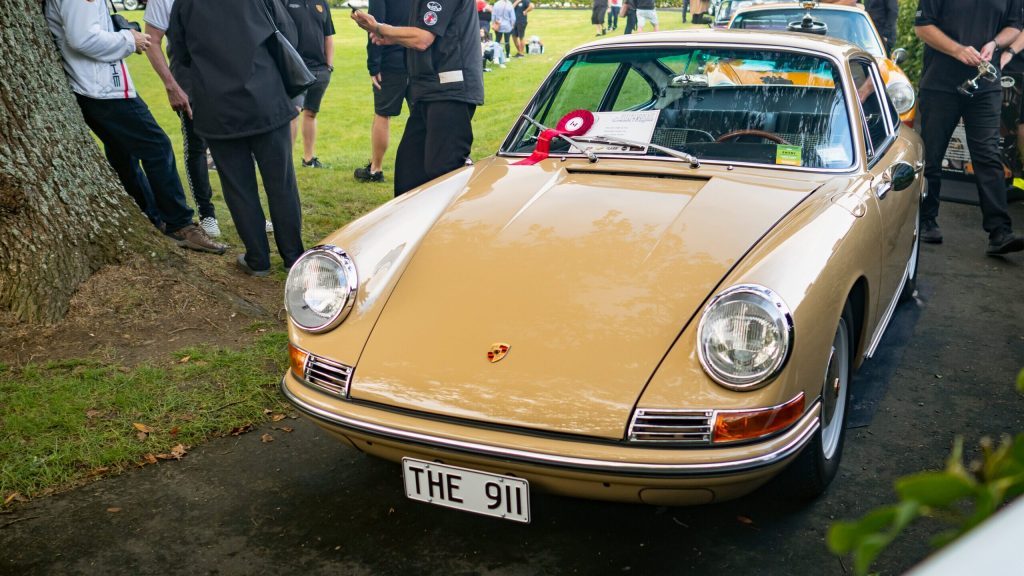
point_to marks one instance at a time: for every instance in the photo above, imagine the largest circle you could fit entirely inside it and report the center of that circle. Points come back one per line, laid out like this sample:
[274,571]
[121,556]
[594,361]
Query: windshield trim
[859,151]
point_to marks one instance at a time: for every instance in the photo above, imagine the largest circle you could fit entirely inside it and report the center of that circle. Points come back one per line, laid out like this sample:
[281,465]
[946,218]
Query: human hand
[988,50]
[376,81]
[968,55]
[141,41]
[365,21]
[179,100]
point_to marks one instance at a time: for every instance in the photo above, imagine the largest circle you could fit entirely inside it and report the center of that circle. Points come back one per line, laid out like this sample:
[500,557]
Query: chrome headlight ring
[321,288]
[902,95]
[759,321]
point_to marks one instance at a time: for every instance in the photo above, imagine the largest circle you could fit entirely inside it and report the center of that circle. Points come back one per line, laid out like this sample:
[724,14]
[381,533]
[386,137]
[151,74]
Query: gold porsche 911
[655,291]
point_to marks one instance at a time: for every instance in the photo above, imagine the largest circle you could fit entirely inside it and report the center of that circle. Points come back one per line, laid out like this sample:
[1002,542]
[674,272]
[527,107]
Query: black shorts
[394,87]
[315,93]
[520,30]
[597,13]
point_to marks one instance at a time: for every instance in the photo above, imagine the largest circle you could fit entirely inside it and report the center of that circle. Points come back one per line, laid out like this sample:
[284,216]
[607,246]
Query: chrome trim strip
[810,419]
[876,338]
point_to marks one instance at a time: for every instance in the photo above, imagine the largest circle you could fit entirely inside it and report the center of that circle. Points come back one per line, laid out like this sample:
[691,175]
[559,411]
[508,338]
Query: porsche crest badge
[498,351]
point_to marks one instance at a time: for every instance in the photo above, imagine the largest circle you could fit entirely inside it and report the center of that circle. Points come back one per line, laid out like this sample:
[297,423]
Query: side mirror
[899,56]
[903,175]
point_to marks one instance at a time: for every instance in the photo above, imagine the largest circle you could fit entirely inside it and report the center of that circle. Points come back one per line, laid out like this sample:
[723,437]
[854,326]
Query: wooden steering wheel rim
[752,132]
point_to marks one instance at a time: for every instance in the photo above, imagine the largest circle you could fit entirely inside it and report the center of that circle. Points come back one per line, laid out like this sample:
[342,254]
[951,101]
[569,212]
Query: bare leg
[379,135]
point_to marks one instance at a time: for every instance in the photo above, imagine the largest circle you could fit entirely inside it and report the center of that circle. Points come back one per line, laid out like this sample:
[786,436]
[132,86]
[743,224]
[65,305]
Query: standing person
[646,12]
[483,13]
[446,84]
[614,7]
[176,82]
[390,81]
[685,9]
[954,47]
[884,14]
[93,55]
[522,8]
[503,20]
[629,11]
[243,111]
[316,45]
[597,10]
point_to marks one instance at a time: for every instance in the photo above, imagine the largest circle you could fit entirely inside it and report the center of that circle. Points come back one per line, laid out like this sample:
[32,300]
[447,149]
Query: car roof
[834,47]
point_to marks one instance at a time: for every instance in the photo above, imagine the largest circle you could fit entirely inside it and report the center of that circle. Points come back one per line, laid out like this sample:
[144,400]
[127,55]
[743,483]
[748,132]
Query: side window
[874,105]
[635,92]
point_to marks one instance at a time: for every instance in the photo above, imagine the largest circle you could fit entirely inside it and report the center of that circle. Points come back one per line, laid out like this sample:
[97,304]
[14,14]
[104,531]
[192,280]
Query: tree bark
[63,212]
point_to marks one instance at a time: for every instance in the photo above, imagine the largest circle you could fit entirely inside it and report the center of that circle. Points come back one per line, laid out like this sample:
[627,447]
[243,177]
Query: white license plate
[470,490]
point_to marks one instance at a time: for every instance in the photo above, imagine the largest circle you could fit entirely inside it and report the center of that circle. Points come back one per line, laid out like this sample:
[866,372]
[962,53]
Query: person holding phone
[446,84]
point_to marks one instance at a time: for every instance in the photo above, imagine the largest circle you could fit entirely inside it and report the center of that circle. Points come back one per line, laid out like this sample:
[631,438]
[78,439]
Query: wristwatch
[1011,51]
[330,68]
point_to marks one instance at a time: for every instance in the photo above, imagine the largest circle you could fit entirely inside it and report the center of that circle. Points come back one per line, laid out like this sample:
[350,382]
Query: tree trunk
[63,212]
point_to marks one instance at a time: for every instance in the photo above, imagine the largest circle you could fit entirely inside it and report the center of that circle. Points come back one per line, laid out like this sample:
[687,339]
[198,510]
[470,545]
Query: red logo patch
[430,18]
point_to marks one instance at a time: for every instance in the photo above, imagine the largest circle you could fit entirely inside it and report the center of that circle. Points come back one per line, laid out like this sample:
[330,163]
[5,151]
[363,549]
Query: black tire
[130,4]
[813,470]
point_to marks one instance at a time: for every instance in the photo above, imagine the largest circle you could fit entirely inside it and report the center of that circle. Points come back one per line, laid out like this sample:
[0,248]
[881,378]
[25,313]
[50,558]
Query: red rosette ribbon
[575,123]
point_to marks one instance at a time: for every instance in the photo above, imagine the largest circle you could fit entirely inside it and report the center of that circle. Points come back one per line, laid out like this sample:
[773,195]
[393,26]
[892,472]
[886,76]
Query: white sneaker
[210,226]
[270,227]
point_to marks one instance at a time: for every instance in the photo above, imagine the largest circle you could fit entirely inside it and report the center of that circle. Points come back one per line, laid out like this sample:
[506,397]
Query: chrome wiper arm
[572,142]
[694,162]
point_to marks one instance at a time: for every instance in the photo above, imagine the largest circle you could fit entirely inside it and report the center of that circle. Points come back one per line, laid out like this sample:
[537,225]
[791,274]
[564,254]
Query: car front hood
[586,274]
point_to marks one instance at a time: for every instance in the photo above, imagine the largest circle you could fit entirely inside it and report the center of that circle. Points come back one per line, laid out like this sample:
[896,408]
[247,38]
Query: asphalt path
[307,504]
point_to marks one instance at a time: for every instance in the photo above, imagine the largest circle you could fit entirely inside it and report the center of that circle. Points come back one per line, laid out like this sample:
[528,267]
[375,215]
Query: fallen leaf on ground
[174,431]
[266,438]
[98,471]
[142,428]
[239,430]
[113,510]
[277,417]
[13,496]
[177,453]
[141,436]
[184,359]
[286,429]
[93,413]
[150,459]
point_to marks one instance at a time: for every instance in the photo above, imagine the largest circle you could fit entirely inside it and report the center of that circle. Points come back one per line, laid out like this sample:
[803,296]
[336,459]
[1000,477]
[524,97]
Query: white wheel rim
[833,393]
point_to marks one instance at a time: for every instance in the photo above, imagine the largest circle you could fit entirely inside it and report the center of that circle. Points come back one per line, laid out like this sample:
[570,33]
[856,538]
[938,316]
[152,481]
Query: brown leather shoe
[195,238]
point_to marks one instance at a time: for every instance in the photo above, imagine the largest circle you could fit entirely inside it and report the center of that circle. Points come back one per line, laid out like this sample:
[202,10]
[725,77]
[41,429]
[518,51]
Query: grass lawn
[65,420]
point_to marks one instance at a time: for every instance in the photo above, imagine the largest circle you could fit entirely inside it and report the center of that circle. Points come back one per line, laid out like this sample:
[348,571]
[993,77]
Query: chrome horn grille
[671,426]
[327,375]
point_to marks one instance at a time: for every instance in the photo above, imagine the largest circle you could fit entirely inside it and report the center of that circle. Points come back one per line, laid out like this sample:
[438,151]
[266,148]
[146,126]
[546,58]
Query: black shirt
[645,4]
[313,20]
[450,69]
[971,27]
[519,8]
[390,58]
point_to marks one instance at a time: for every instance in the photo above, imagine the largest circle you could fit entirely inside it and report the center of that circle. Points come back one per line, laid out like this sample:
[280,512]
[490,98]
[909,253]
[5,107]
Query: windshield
[728,8]
[755,106]
[847,25]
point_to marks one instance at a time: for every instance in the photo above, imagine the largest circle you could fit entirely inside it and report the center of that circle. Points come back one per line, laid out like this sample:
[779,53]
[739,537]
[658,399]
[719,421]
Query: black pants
[437,139]
[613,17]
[940,112]
[503,38]
[131,136]
[273,153]
[196,171]
[630,22]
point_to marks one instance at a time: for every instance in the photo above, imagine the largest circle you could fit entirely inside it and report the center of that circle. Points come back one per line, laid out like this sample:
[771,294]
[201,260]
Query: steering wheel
[771,136]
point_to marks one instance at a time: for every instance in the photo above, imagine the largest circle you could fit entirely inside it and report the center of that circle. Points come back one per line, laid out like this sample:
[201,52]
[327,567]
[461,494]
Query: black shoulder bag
[294,72]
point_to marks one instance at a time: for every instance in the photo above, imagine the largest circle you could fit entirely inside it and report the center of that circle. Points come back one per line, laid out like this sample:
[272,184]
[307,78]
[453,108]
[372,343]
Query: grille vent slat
[327,375]
[671,426]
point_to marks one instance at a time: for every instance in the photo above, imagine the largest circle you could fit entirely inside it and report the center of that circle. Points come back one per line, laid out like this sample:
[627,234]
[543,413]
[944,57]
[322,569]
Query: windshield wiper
[572,142]
[694,162]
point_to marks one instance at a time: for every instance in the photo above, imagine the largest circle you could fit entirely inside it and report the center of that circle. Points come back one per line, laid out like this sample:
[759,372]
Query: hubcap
[833,393]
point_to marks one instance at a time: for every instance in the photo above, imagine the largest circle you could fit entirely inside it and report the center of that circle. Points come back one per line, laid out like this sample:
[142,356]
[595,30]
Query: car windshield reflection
[746,106]
[847,25]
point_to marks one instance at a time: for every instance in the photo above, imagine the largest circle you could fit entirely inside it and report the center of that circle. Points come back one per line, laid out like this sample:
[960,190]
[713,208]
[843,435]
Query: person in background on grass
[646,12]
[597,10]
[954,48]
[685,9]
[492,52]
[245,114]
[503,20]
[93,55]
[390,82]
[446,84]
[629,12]
[483,13]
[522,8]
[614,7]
[884,13]
[176,83]
[316,45]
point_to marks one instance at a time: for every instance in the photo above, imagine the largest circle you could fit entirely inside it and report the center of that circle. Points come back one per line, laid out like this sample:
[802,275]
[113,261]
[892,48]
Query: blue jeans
[132,137]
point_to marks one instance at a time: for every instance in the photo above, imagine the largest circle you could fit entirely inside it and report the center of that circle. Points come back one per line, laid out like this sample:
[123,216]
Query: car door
[897,208]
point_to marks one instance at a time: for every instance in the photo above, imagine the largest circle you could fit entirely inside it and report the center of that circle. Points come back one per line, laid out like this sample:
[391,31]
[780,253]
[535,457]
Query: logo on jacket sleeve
[430,18]
[434,6]
[498,351]
[320,8]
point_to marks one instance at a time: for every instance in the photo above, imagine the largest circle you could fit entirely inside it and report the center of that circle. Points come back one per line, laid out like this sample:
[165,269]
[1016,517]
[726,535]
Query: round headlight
[902,95]
[321,289]
[744,337]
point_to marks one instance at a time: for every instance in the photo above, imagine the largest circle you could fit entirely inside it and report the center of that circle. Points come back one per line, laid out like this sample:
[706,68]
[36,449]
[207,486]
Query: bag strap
[266,10]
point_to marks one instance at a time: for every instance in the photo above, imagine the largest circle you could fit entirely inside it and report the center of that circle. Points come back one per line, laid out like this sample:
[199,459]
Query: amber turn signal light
[733,426]
[297,359]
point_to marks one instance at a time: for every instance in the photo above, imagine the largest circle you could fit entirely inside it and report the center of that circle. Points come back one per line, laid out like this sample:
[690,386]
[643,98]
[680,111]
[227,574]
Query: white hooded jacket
[92,51]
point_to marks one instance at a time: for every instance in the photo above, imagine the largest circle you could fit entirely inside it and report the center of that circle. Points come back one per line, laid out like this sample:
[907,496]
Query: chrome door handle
[883,187]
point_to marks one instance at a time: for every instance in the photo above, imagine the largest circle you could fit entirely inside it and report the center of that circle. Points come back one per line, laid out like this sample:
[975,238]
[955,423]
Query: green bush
[906,39]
